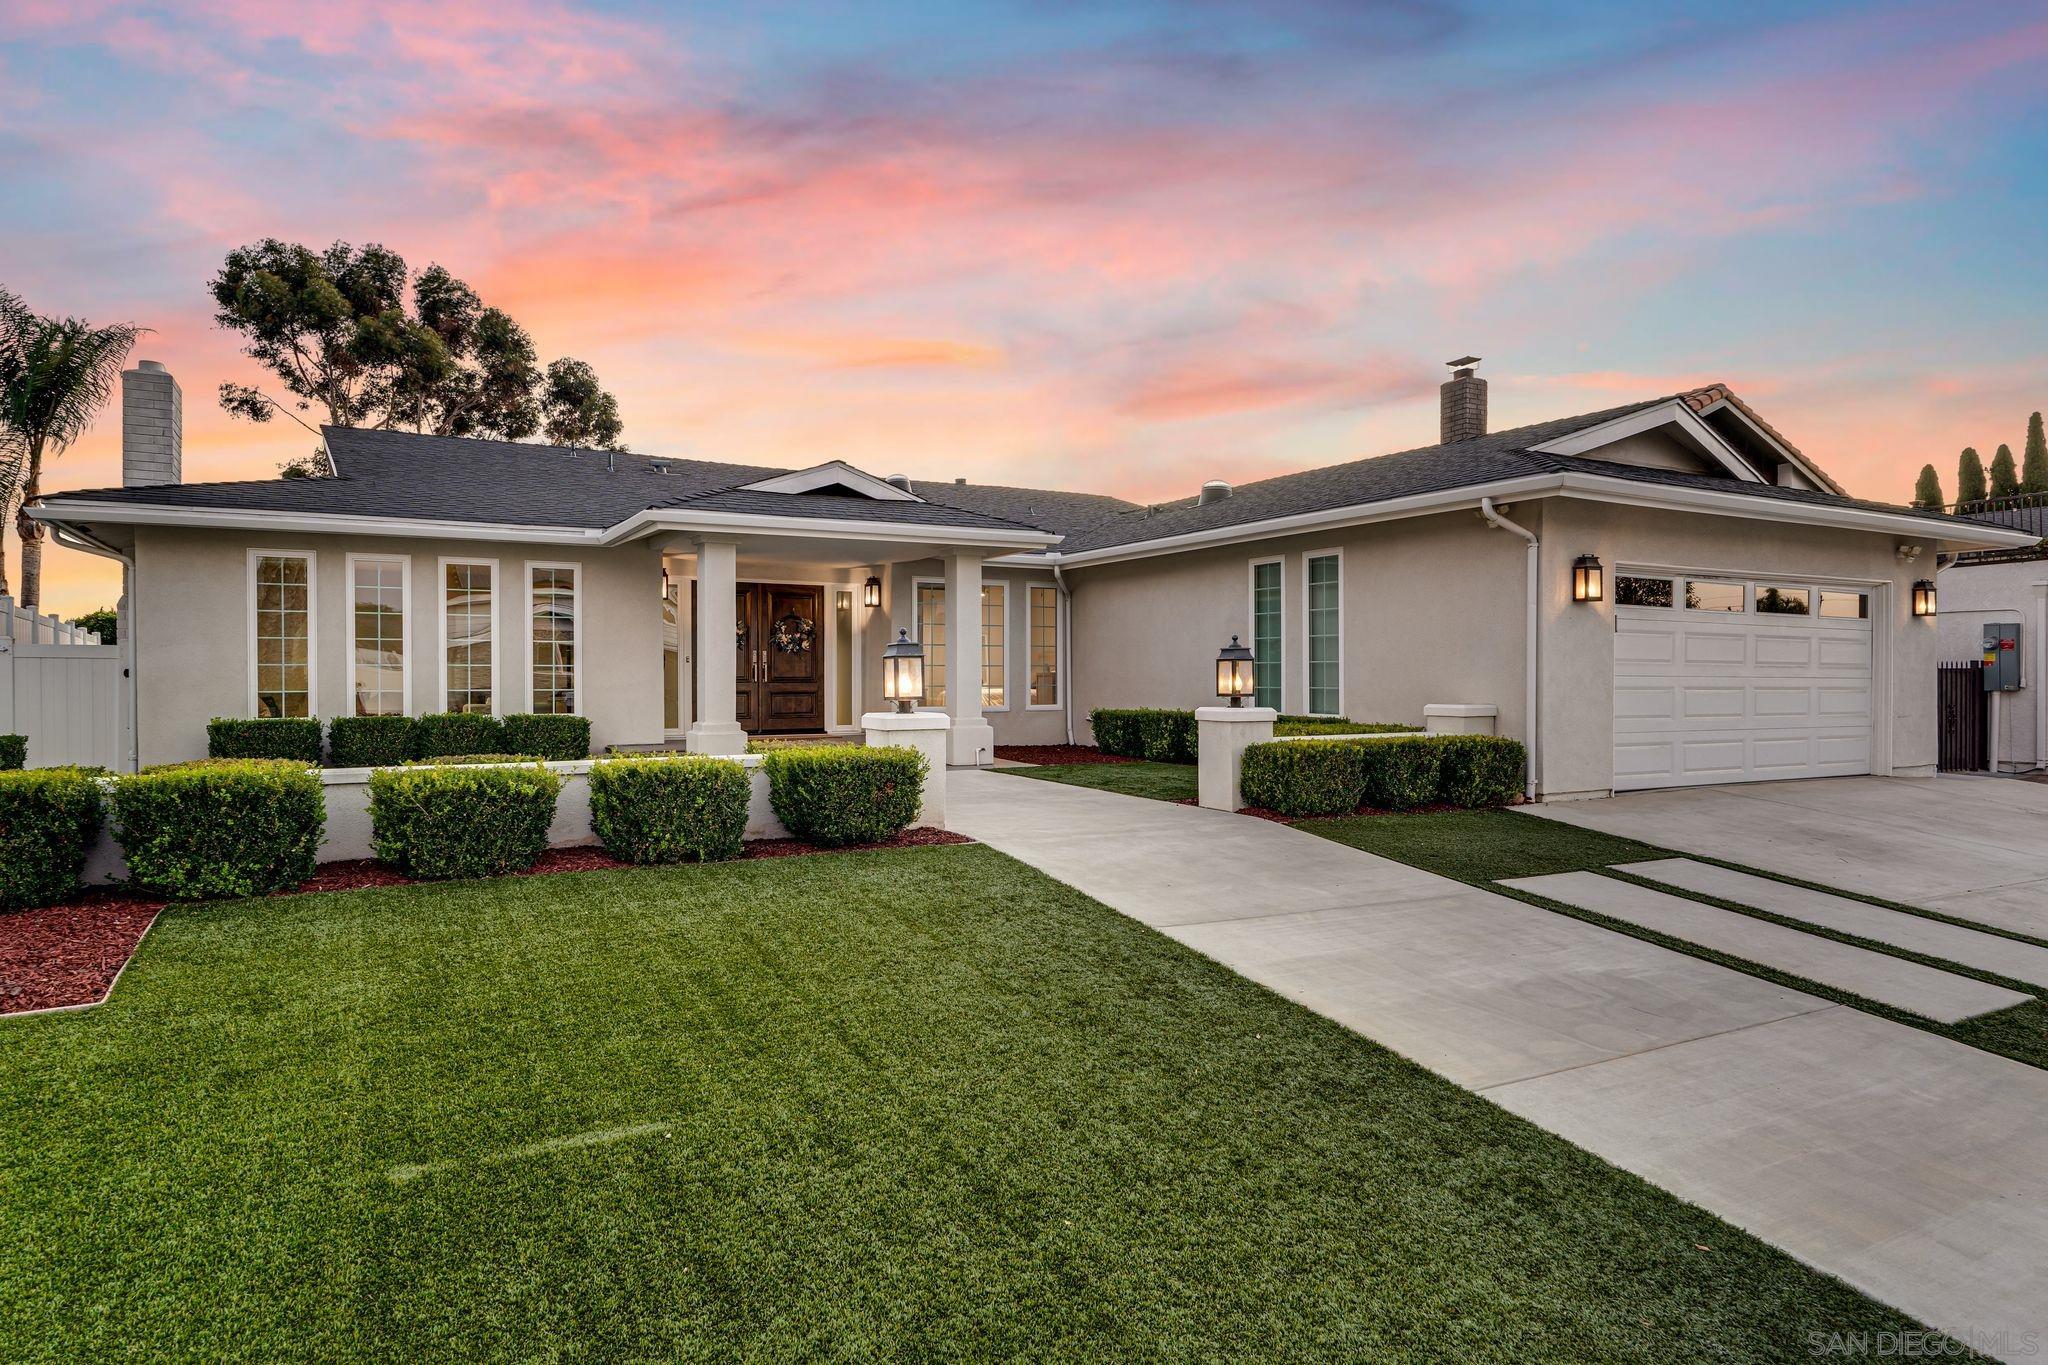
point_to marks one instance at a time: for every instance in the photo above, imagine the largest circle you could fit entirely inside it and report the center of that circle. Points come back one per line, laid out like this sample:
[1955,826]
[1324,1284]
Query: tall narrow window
[551,598]
[995,690]
[377,640]
[931,633]
[467,608]
[1267,672]
[1325,635]
[842,658]
[1045,645]
[283,590]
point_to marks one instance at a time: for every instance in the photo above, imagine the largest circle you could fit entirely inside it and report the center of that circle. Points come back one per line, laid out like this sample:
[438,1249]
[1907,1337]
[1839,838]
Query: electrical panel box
[2002,656]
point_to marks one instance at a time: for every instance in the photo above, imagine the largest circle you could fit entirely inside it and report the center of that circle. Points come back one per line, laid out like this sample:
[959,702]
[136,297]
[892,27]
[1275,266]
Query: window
[1783,601]
[468,617]
[931,633]
[1704,596]
[842,658]
[995,600]
[1325,634]
[1045,645]
[377,635]
[281,631]
[551,602]
[1267,672]
[1630,591]
[1843,606]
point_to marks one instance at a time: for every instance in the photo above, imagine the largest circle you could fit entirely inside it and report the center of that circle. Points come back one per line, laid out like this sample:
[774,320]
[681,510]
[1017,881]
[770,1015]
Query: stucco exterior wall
[1017,723]
[1974,595]
[191,626]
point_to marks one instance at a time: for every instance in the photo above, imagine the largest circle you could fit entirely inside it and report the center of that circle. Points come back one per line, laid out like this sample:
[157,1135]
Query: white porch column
[716,729]
[973,740]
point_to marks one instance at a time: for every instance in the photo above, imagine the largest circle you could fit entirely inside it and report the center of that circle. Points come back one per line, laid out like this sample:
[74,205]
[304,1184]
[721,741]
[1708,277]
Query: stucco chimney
[152,426]
[1463,407]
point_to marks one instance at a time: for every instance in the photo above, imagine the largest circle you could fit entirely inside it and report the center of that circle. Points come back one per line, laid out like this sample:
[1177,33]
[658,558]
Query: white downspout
[1486,509]
[1064,641]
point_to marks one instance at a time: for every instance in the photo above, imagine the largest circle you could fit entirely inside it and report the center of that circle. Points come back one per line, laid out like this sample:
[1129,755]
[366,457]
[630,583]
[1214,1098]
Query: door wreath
[793,634]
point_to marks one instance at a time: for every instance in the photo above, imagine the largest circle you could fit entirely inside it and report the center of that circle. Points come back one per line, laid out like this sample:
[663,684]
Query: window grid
[1267,672]
[994,607]
[377,597]
[931,633]
[552,600]
[283,636]
[1324,636]
[466,618]
[1045,646]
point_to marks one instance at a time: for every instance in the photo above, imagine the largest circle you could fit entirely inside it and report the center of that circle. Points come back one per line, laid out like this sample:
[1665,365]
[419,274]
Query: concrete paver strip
[1915,933]
[1925,991]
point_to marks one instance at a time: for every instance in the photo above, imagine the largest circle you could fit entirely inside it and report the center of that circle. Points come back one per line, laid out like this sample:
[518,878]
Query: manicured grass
[1159,781]
[1486,846]
[923,1104]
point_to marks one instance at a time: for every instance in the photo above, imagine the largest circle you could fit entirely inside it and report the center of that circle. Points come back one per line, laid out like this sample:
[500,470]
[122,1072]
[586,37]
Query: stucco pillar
[924,731]
[716,729]
[1222,734]
[1460,718]
[973,742]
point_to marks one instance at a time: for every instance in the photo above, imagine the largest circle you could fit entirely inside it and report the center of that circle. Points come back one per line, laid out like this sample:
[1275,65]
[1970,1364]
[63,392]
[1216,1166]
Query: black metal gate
[1963,739]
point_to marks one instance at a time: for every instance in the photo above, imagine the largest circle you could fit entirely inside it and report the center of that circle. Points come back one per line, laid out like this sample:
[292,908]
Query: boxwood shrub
[1148,732]
[461,732]
[452,821]
[1299,780]
[669,810]
[552,737]
[220,827]
[1336,776]
[293,737]
[13,753]
[443,760]
[1480,770]
[839,794]
[371,741]
[1337,725]
[48,817]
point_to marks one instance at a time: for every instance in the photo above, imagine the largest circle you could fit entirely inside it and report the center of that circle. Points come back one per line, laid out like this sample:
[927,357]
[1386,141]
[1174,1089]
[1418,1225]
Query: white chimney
[152,426]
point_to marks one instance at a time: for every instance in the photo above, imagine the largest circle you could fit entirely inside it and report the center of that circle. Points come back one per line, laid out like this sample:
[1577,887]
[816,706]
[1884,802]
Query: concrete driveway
[1973,847]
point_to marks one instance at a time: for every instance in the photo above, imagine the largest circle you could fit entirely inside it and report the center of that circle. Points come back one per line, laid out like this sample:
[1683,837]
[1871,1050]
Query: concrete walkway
[1908,1165]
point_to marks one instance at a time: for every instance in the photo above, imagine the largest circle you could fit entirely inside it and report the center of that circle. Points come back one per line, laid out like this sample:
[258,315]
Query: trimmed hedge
[669,810]
[460,732]
[838,794]
[294,737]
[449,821]
[48,817]
[13,753]
[1337,725]
[552,737]
[1335,777]
[371,741]
[444,760]
[220,827]
[1148,732]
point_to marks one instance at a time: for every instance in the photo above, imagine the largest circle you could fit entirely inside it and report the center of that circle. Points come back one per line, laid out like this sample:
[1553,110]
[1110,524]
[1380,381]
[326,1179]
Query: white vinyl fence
[63,689]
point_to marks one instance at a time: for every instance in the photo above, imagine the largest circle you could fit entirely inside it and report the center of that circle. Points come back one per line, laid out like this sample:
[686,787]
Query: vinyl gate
[64,690]
[1964,737]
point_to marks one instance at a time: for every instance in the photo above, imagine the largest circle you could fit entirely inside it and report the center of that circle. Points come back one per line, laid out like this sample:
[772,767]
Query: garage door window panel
[1772,600]
[1633,590]
[1703,594]
[1844,606]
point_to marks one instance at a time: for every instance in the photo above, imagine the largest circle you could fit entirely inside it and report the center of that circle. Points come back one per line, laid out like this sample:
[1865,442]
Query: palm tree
[55,375]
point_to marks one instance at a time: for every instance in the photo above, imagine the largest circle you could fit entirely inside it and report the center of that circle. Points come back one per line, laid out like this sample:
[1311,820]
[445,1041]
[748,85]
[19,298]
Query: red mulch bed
[1057,755]
[70,954]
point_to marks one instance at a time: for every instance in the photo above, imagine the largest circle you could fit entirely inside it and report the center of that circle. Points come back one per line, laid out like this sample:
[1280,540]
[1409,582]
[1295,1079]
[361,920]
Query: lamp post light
[1234,672]
[871,592]
[1589,579]
[1923,597]
[903,672]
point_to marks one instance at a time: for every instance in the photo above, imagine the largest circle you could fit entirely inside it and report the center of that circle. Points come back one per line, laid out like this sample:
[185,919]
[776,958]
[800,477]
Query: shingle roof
[1046,508]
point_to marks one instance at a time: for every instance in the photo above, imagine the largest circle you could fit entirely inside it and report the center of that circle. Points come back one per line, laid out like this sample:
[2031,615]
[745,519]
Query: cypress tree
[2034,469]
[2005,480]
[1970,477]
[1927,492]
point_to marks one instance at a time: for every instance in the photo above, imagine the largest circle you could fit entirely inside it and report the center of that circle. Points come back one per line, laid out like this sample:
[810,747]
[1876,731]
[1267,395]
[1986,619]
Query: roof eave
[1948,531]
[683,519]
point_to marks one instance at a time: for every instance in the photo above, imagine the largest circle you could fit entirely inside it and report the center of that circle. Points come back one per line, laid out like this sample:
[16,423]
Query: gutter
[1494,518]
[72,538]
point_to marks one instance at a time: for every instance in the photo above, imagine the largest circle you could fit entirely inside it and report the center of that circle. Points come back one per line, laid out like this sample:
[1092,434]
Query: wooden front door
[782,668]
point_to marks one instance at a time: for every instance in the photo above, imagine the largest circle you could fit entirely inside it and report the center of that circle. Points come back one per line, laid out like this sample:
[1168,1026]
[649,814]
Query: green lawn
[1159,781]
[922,1104]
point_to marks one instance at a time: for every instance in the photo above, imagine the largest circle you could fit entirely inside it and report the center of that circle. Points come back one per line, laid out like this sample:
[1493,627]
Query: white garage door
[1738,680]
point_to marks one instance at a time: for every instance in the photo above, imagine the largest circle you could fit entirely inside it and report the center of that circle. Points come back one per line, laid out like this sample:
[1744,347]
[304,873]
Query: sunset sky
[1114,247]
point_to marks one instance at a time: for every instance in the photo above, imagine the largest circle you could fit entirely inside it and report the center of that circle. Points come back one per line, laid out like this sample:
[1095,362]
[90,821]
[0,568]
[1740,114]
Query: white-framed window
[1268,607]
[929,622]
[995,633]
[1042,602]
[469,635]
[283,633]
[380,634]
[554,625]
[1322,596]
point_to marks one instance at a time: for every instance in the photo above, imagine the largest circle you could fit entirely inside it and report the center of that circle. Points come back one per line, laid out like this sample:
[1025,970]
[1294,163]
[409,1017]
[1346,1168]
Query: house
[1737,617]
[2003,587]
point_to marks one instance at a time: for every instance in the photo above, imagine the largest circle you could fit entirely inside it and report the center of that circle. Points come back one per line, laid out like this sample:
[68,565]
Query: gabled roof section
[1719,407]
[1673,418]
[834,477]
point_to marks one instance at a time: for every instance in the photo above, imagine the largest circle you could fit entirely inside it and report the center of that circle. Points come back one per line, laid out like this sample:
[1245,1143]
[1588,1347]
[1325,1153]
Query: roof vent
[661,466]
[959,483]
[1215,490]
[901,481]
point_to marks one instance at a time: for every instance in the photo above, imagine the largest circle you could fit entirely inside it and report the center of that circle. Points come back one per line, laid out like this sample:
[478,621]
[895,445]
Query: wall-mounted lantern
[1234,672]
[665,588]
[903,672]
[1923,597]
[1589,579]
[871,592]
